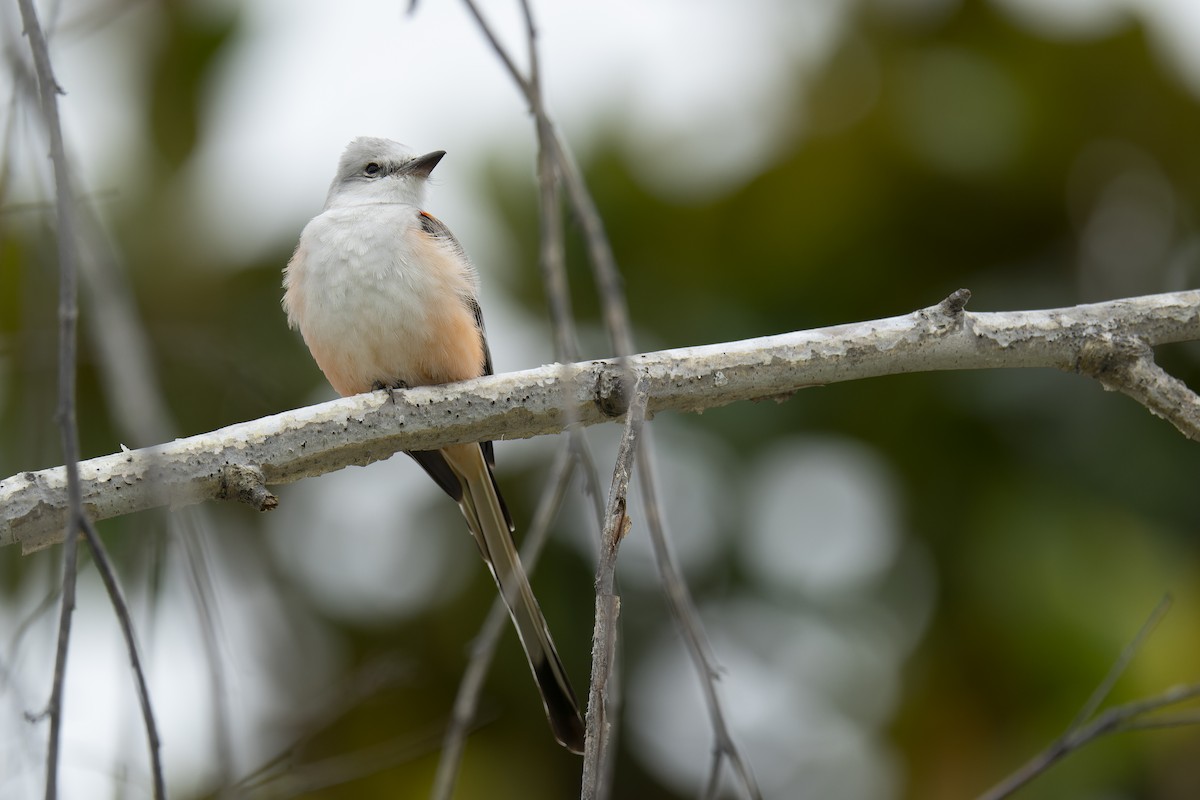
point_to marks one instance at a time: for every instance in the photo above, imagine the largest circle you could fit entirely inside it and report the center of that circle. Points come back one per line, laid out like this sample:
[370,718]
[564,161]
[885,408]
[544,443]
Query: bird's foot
[390,387]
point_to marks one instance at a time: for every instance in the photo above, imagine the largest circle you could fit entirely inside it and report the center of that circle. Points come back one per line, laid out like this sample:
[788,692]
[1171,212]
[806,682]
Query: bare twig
[78,521]
[291,769]
[522,82]
[1119,719]
[120,342]
[607,275]
[484,648]
[115,596]
[552,261]
[48,90]
[552,248]
[306,779]
[130,383]
[206,611]
[608,604]
[554,155]
[553,269]
[679,600]
[1131,716]
[1119,666]
[609,283]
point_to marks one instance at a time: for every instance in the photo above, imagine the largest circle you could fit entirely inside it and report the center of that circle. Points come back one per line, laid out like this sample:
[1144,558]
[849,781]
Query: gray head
[374,170]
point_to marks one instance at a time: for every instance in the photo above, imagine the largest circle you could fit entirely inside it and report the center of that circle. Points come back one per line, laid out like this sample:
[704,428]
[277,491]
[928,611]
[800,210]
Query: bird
[385,298]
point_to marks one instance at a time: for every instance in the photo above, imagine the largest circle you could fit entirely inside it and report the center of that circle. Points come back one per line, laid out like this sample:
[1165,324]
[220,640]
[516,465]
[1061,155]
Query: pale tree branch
[369,427]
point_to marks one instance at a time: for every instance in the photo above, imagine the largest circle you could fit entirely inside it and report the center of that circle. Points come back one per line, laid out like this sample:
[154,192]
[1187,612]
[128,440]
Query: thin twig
[513,71]
[553,269]
[609,284]
[591,477]
[609,287]
[130,382]
[1119,719]
[608,604]
[48,90]
[305,780]
[484,648]
[554,160]
[552,248]
[683,610]
[608,278]
[550,157]
[552,261]
[68,315]
[1119,666]
[552,251]
[121,346]
[115,596]
[321,713]
[204,592]
[552,258]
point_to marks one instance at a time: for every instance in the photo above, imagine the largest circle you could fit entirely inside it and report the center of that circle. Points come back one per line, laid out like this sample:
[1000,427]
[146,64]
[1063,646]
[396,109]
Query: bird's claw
[390,387]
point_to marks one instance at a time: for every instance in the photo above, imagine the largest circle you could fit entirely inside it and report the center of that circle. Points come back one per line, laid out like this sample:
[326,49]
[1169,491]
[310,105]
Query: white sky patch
[691,81]
[695,85]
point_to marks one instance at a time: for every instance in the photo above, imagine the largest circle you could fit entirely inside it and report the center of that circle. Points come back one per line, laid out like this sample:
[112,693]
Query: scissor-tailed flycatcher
[386,299]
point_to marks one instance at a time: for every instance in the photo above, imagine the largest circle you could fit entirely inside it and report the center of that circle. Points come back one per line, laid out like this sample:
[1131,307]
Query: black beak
[423,165]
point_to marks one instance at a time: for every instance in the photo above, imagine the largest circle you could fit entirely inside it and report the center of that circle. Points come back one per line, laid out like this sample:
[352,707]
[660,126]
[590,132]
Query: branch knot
[947,315]
[1109,355]
[612,391]
[245,483]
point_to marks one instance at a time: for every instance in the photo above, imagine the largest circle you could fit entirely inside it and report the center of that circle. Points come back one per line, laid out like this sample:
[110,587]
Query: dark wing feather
[433,462]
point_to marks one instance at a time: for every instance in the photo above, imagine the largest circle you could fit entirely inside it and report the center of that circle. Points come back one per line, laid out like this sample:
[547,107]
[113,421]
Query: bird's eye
[371,170]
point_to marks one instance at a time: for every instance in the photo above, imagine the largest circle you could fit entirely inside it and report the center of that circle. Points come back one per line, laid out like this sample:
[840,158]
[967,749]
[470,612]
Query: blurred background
[912,584]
